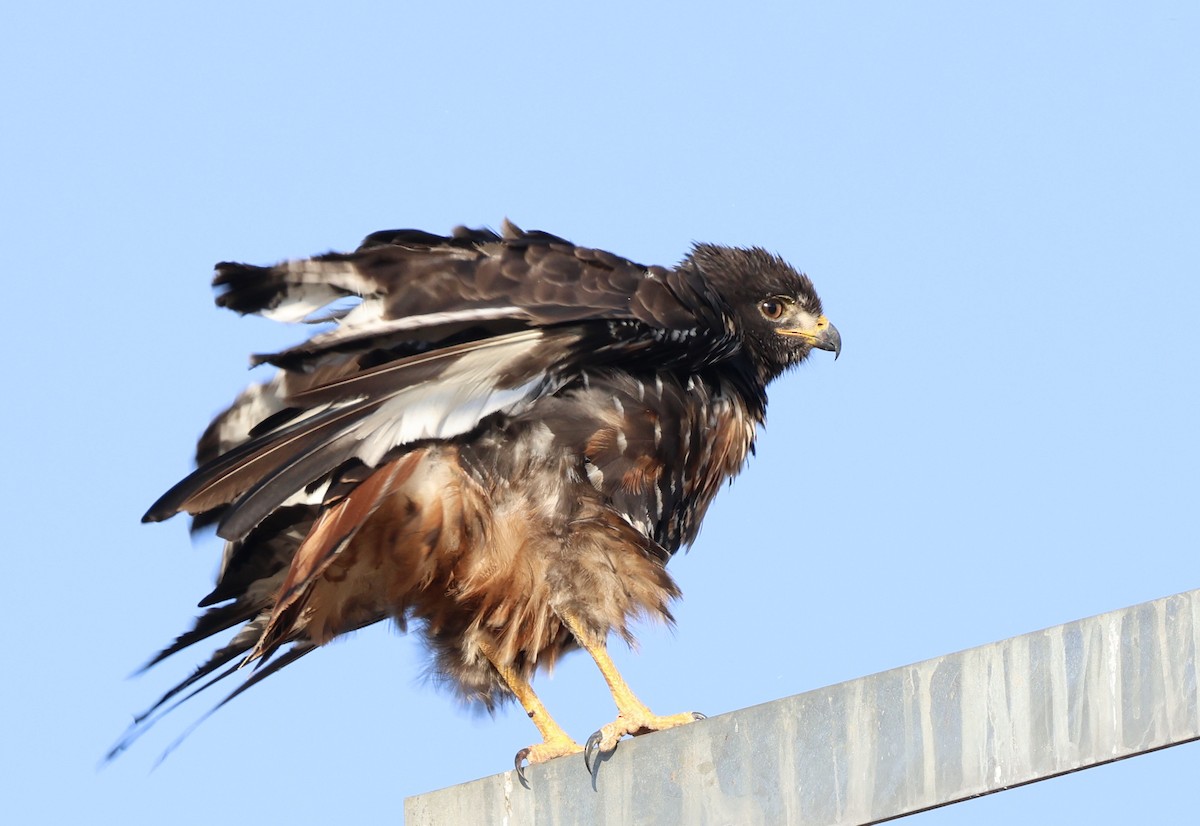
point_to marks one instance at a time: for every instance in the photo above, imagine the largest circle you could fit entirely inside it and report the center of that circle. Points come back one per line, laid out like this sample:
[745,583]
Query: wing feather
[437,395]
[415,286]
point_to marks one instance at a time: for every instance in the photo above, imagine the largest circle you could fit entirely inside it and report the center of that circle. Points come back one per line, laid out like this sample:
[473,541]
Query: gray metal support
[901,741]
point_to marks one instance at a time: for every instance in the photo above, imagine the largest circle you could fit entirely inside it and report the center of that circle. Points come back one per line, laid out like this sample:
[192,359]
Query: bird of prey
[502,439]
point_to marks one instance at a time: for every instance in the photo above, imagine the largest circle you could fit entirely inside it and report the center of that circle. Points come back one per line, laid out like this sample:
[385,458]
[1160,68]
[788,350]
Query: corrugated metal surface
[890,744]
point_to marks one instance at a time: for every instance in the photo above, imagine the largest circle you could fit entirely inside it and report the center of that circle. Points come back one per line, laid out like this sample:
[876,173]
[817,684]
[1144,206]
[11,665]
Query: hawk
[502,439]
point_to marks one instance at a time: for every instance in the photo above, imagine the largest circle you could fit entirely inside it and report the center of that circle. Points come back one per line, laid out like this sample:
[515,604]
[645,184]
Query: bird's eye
[771,309]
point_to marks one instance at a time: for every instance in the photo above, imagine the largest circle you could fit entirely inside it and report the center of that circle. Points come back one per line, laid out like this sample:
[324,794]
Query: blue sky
[1000,207]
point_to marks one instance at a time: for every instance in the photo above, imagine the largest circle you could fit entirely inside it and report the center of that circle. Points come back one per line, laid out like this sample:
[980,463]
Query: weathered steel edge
[879,747]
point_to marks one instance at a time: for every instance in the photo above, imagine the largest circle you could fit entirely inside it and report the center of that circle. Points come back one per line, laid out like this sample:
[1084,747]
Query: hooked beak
[824,336]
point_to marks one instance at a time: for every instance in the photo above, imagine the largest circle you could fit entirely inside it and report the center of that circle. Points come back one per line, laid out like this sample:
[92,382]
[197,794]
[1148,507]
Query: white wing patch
[414,322]
[313,284]
[367,320]
[301,302]
[461,397]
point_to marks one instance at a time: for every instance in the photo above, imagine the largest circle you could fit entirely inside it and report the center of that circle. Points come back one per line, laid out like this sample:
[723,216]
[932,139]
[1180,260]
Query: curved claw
[541,752]
[611,734]
[519,765]
[591,749]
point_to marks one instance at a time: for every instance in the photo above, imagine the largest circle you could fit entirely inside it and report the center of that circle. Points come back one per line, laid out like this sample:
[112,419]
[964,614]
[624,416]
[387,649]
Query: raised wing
[416,287]
[446,332]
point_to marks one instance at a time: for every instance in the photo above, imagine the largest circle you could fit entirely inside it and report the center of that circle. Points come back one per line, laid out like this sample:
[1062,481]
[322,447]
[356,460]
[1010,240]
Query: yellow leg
[633,717]
[556,742]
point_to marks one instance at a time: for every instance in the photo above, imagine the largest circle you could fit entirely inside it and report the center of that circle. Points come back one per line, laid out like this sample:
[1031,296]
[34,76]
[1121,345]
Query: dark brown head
[775,309]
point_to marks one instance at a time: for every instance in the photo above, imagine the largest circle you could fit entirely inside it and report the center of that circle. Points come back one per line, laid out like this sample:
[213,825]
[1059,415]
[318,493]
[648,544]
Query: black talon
[591,749]
[517,761]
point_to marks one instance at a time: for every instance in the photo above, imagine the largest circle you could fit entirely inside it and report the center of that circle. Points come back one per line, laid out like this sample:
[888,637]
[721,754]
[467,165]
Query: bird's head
[775,309]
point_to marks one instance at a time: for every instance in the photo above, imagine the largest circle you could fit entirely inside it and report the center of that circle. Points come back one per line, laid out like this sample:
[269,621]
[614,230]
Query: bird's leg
[633,717]
[556,742]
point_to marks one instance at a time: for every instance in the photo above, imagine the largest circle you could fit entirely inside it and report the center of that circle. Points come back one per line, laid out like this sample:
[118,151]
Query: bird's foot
[605,740]
[540,753]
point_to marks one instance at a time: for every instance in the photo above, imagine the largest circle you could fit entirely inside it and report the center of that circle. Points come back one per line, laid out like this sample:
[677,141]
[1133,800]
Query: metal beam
[894,743]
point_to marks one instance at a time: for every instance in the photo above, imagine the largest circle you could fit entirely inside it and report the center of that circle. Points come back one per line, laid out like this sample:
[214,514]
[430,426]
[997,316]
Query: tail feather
[213,621]
[242,642]
[335,528]
[281,662]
